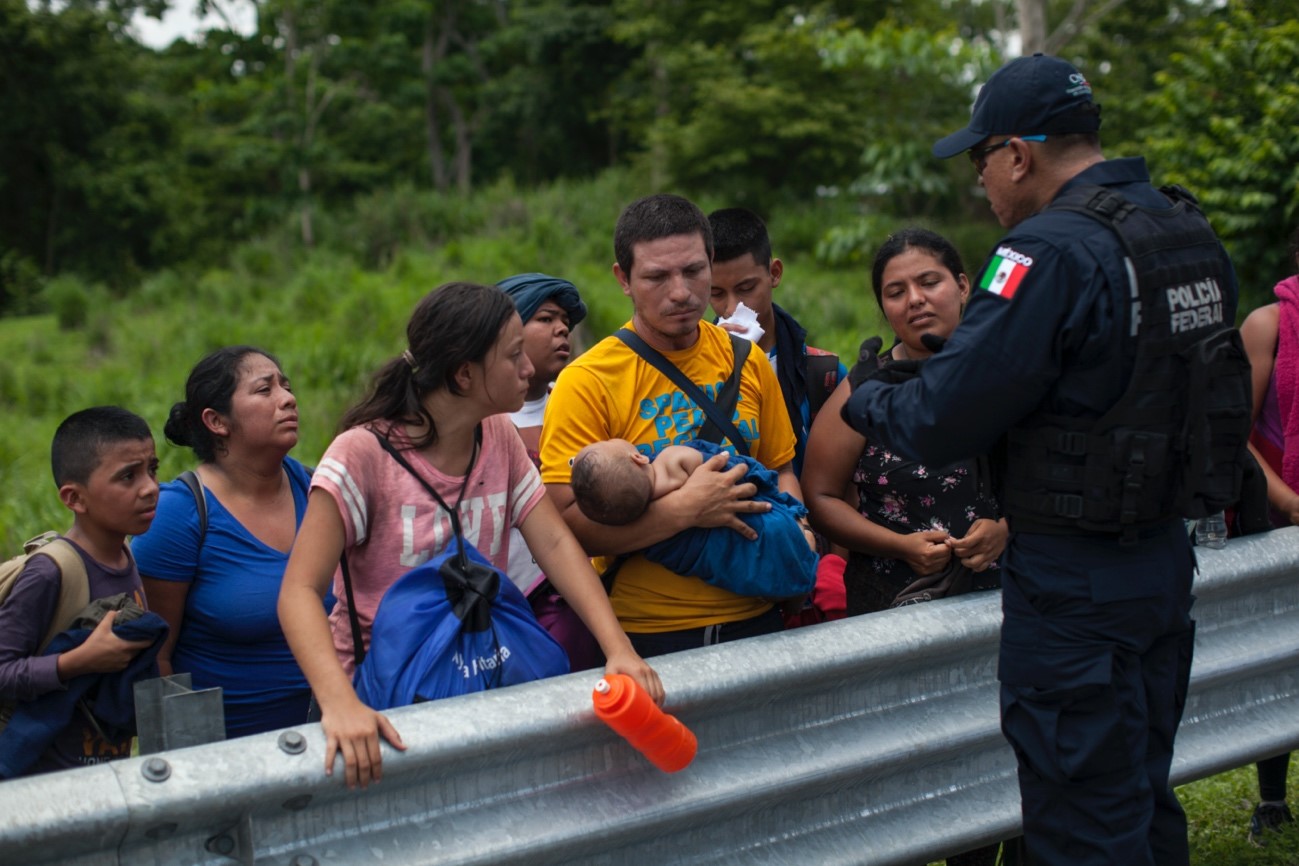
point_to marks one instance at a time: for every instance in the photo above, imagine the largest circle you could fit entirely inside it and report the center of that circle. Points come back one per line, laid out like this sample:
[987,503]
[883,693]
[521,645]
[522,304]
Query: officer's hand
[924,552]
[897,372]
[982,544]
[868,361]
[900,371]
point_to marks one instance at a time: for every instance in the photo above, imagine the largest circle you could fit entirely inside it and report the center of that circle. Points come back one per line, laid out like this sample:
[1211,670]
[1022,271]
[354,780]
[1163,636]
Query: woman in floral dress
[917,531]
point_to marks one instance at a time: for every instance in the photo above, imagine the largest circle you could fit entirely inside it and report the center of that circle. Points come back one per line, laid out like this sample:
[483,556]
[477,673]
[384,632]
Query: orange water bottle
[629,710]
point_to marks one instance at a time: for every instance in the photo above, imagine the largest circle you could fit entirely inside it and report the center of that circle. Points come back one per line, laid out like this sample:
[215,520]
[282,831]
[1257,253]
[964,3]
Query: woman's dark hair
[454,324]
[1294,249]
[912,238]
[211,385]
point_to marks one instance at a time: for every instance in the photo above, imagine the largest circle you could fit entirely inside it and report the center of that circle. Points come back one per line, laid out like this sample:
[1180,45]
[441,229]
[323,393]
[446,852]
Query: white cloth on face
[747,320]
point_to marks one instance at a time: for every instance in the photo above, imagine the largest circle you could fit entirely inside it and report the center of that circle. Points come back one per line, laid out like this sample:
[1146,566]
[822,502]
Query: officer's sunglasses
[979,155]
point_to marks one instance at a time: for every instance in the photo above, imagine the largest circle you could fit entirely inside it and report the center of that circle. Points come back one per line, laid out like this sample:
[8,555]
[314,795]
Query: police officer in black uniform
[1102,282]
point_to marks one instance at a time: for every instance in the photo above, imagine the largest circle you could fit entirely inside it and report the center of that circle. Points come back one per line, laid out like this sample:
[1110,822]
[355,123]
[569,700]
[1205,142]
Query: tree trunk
[51,229]
[304,186]
[1032,25]
[662,108]
[433,52]
[464,144]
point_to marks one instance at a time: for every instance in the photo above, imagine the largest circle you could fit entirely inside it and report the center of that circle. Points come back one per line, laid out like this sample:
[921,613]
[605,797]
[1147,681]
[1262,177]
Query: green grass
[1218,810]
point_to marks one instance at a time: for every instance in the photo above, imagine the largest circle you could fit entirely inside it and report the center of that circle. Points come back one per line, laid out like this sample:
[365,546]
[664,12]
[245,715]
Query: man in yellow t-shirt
[663,245]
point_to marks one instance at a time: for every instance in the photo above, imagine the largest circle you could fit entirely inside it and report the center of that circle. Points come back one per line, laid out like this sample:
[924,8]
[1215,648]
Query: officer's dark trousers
[1095,659]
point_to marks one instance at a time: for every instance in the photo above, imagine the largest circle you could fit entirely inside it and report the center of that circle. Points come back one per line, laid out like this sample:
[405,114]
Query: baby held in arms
[614,482]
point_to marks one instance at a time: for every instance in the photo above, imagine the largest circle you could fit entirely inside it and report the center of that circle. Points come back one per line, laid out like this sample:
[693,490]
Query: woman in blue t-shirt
[217,585]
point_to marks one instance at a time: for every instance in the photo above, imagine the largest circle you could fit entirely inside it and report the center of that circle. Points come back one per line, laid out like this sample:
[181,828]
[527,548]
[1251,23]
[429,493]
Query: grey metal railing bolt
[303,860]
[223,845]
[293,743]
[156,770]
[298,803]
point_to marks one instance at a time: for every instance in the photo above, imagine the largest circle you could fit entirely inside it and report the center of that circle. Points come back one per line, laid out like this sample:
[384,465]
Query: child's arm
[713,497]
[102,652]
[674,464]
[568,568]
[25,616]
[351,728]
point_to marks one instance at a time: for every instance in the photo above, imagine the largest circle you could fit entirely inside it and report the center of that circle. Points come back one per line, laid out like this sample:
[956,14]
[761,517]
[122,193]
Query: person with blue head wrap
[550,308]
[529,291]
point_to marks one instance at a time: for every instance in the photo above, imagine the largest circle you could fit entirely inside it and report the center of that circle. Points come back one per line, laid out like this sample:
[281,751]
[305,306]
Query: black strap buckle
[1073,443]
[1068,505]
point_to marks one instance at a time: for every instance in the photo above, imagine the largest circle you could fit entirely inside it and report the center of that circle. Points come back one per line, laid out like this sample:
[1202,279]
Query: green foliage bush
[70,298]
[1222,122]
[20,283]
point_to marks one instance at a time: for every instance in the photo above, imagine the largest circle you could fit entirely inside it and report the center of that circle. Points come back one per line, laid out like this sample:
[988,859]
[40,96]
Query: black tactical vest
[1173,443]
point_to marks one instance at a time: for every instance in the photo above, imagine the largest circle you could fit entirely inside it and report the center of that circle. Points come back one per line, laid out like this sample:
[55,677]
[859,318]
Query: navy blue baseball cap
[1036,95]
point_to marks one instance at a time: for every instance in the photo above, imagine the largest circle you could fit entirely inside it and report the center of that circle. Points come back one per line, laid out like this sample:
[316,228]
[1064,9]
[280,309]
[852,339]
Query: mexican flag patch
[1005,272]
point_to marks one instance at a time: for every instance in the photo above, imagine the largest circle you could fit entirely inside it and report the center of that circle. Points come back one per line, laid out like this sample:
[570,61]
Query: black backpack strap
[822,379]
[358,645]
[191,480]
[719,414]
[195,484]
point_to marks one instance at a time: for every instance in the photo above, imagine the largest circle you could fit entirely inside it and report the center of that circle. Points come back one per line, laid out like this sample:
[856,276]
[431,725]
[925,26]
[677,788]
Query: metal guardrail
[871,740]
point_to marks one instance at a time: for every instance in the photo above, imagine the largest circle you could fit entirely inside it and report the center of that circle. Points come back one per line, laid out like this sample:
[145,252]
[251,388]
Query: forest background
[300,185]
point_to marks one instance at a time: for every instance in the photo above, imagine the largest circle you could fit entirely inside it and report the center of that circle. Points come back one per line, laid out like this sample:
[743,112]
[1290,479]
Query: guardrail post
[169,714]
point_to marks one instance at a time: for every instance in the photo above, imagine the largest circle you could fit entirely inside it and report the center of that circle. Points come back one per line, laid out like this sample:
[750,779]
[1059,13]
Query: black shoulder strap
[358,645]
[191,480]
[1102,204]
[195,484]
[401,461]
[719,414]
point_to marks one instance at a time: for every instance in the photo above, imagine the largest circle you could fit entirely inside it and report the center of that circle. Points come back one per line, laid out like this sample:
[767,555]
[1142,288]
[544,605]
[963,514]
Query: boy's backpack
[74,589]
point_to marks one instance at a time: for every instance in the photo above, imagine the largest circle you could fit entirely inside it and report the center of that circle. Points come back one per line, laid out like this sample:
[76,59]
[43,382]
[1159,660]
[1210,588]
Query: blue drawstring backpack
[451,626]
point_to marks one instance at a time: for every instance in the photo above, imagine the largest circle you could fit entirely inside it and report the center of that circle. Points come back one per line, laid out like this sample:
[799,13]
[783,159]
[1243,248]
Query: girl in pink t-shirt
[440,403]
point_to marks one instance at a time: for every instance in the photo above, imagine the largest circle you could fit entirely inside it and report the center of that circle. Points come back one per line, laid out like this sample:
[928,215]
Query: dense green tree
[758,102]
[76,143]
[1222,122]
[550,101]
[917,82]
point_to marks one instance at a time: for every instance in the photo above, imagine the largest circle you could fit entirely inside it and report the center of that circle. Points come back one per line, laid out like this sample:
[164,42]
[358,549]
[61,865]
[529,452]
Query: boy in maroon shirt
[106,469]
